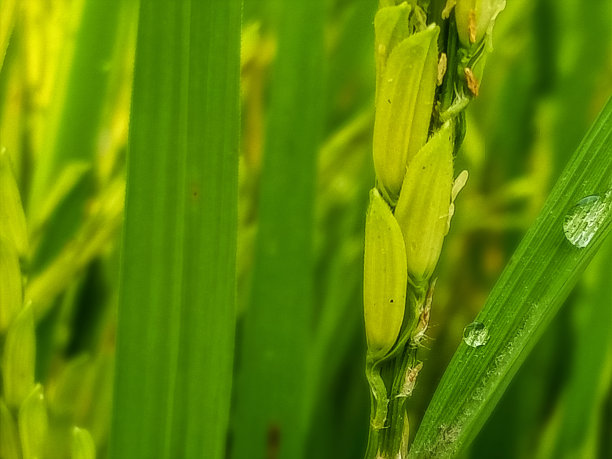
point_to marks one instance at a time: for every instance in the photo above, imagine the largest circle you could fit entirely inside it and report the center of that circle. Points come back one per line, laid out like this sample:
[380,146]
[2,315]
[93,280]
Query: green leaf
[533,286]
[581,405]
[271,384]
[177,294]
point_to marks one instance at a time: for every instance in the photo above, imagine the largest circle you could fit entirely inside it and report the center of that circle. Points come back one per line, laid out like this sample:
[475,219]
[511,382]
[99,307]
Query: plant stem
[414,172]
[392,440]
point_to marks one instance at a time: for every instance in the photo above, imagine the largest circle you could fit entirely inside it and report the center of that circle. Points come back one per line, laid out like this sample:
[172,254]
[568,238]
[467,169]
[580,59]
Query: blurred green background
[549,75]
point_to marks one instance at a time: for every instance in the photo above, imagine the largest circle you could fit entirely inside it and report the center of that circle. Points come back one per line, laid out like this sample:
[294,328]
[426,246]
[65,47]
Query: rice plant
[307,229]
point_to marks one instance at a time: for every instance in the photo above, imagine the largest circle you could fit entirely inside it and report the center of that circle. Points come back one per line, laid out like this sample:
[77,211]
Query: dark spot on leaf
[194,191]
[273,441]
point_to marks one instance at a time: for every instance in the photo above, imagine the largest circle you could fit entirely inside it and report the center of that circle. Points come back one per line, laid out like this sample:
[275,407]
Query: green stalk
[177,284]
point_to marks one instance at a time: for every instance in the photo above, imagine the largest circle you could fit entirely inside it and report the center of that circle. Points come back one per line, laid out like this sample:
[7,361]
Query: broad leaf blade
[177,293]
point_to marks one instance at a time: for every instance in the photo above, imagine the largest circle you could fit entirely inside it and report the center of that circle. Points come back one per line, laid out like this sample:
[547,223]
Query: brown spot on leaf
[194,191]
[273,441]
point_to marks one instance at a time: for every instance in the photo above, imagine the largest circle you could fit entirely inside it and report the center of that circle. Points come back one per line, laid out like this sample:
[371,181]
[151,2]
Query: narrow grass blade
[177,288]
[579,425]
[577,88]
[538,278]
[270,394]
[515,426]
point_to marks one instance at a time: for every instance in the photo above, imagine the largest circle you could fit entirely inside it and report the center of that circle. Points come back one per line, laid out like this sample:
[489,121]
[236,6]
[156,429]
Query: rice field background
[183,192]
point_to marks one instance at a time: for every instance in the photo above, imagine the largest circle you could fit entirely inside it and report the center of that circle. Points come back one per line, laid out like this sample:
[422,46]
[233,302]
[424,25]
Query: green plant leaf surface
[271,385]
[581,406]
[540,275]
[177,283]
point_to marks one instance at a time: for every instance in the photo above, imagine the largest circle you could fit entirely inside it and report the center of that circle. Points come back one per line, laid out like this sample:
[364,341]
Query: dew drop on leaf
[476,334]
[584,220]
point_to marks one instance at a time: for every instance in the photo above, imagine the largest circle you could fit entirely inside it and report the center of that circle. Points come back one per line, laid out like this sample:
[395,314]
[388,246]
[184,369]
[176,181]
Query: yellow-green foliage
[544,83]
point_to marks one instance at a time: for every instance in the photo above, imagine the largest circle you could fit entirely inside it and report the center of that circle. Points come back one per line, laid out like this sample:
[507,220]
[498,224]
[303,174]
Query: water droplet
[475,334]
[584,220]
